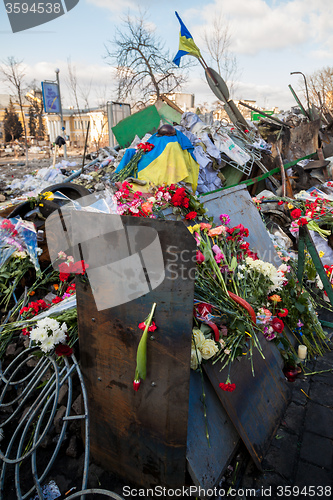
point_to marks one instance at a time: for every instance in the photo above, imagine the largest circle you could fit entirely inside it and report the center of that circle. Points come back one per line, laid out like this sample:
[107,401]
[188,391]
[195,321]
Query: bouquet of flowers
[254,300]
[131,169]
[183,203]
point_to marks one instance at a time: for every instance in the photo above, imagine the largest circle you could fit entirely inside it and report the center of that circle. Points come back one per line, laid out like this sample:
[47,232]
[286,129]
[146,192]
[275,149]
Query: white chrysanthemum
[47,345]
[276,276]
[48,333]
[38,334]
[59,336]
[48,323]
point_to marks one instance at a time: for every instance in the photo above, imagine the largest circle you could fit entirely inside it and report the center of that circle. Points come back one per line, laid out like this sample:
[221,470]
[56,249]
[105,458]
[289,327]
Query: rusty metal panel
[141,435]
[206,463]
[237,203]
[258,402]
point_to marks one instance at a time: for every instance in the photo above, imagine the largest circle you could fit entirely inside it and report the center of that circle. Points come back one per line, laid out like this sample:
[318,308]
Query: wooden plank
[206,463]
[142,435]
[258,402]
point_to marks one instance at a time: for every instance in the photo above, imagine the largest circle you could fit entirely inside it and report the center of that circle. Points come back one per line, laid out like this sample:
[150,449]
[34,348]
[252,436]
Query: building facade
[76,125]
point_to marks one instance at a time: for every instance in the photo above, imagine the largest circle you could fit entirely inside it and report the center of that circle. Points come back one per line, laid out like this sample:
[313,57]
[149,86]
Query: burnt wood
[141,435]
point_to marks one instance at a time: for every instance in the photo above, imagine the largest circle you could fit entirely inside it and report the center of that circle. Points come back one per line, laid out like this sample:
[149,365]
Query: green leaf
[300,307]
[233,264]
[205,328]
[141,355]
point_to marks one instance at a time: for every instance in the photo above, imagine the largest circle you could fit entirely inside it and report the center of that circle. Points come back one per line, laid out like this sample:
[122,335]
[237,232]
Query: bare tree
[218,41]
[74,89]
[13,74]
[144,66]
[35,97]
[320,82]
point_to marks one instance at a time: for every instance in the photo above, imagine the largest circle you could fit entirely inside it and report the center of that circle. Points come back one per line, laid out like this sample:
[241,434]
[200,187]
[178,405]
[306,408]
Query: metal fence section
[29,396]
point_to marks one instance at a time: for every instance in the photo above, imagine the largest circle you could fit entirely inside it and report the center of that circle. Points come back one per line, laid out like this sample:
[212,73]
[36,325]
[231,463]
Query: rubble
[223,152]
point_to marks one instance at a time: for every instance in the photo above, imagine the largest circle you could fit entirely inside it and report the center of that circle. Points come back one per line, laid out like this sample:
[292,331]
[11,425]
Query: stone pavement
[301,454]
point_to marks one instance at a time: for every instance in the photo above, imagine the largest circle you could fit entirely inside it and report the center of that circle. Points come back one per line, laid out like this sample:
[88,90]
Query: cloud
[121,5]
[259,25]
[99,76]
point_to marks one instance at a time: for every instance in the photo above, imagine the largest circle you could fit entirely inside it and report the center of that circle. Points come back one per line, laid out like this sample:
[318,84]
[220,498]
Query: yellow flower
[321,254]
[41,204]
[290,206]
[48,195]
[194,228]
[275,298]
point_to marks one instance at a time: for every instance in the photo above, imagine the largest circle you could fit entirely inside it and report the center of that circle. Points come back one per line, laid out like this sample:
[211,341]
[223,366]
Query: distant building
[76,125]
[184,101]
[220,112]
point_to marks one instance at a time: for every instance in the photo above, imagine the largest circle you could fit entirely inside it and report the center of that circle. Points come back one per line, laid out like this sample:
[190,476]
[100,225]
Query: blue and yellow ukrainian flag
[186,43]
[170,161]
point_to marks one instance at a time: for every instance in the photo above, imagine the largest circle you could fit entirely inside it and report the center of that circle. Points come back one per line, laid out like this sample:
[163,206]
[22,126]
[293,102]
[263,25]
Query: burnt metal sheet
[258,402]
[141,435]
[236,202]
[206,464]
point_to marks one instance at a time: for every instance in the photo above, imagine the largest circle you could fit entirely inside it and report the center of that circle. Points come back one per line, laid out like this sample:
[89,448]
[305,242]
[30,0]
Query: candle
[302,351]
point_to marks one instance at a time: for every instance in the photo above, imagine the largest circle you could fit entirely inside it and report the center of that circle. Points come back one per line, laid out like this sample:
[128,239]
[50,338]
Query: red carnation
[64,276]
[63,350]
[56,300]
[152,327]
[297,212]
[191,215]
[283,313]
[280,202]
[277,325]
[227,387]
[302,221]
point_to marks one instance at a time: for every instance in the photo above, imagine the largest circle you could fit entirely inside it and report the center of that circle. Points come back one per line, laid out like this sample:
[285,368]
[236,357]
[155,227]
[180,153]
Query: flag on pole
[186,43]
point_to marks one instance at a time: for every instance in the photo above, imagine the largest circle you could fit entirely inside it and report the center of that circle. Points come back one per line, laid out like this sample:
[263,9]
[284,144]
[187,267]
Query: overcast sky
[270,39]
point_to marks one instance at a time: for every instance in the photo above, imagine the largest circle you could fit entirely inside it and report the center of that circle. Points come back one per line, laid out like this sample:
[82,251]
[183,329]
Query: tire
[72,191]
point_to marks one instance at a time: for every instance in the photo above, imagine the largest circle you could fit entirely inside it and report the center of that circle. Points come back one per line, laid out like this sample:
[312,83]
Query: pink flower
[224,218]
[217,231]
[218,253]
[197,238]
[200,257]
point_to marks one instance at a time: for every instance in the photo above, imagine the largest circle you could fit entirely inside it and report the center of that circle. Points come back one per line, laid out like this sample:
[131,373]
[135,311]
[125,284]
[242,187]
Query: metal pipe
[61,115]
[306,89]
[79,172]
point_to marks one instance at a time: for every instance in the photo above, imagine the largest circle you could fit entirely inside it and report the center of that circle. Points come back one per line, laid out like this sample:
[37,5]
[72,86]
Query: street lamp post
[61,115]
[306,89]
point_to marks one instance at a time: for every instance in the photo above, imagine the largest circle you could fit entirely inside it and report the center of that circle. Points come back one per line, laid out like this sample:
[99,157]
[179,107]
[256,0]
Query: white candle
[302,351]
